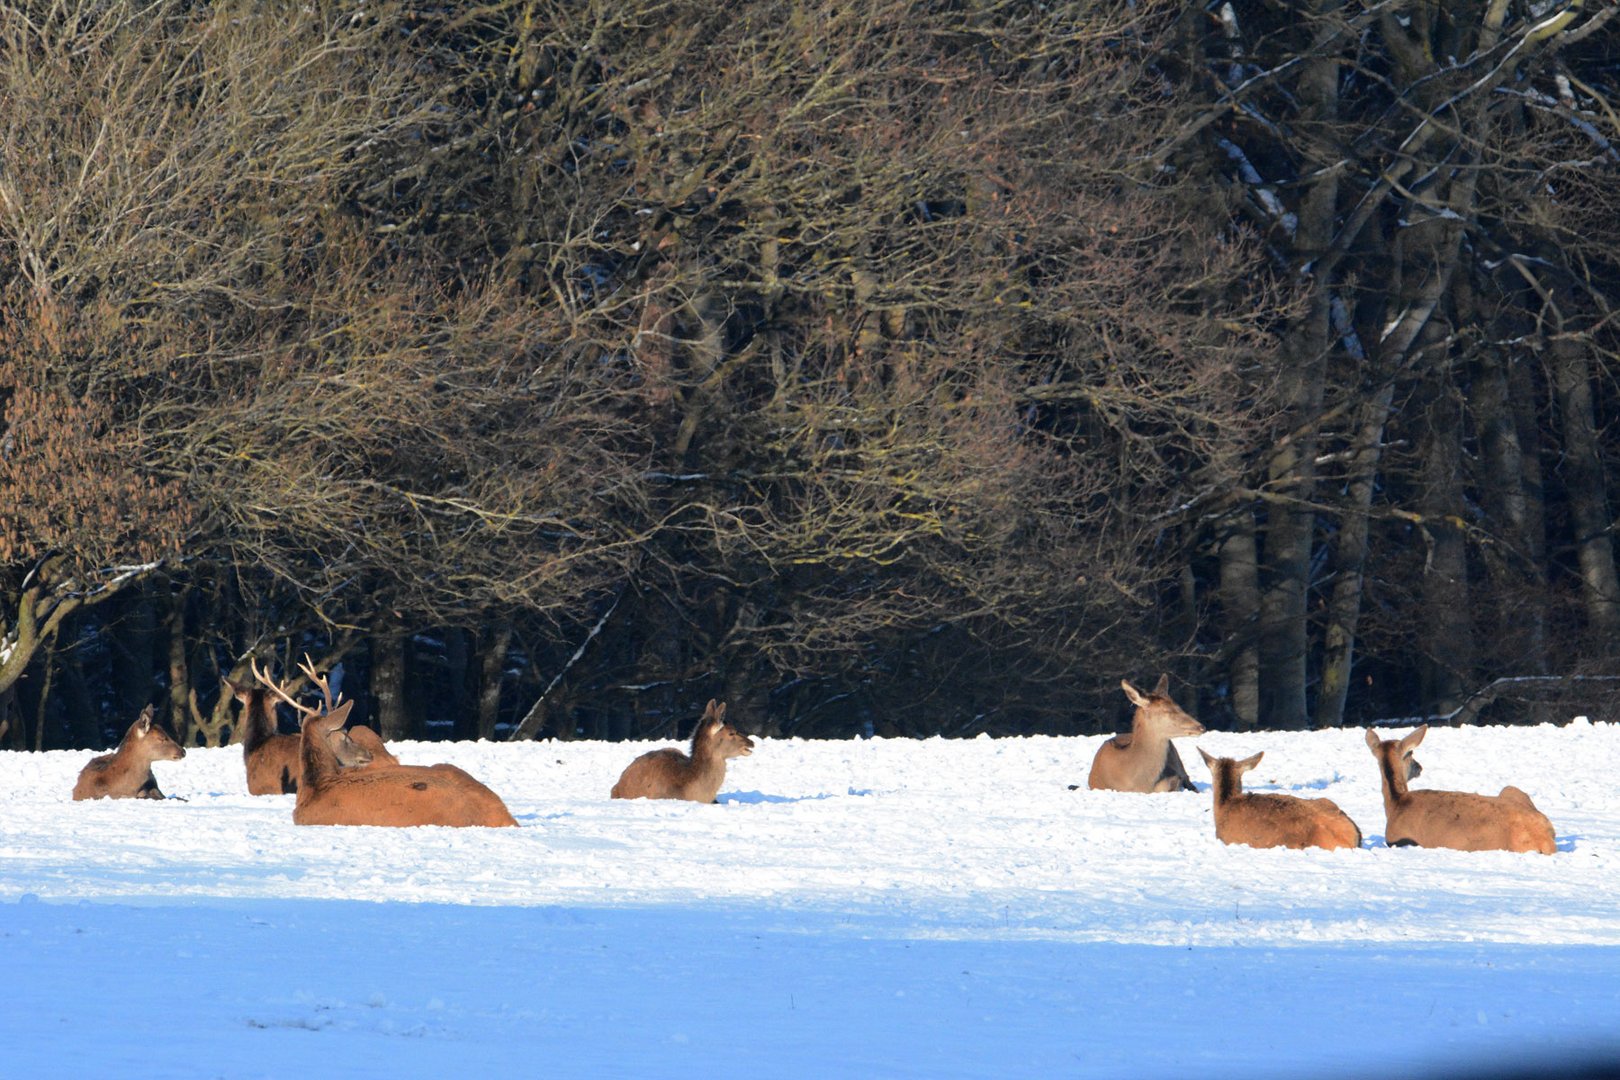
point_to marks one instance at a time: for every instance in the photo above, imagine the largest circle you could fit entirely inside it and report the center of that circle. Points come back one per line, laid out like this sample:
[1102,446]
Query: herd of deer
[345,775]
[1144,759]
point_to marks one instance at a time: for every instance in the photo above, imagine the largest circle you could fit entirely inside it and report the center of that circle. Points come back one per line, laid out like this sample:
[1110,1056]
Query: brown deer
[696,777]
[272,759]
[126,773]
[1453,819]
[1143,758]
[391,795]
[1273,820]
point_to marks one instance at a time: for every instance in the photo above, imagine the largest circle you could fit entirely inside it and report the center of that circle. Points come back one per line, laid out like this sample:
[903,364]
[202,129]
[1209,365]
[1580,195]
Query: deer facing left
[126,773]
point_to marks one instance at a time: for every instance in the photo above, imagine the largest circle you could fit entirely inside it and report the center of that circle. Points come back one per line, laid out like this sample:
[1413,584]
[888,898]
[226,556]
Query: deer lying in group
[342,782]
[349,777]
[1508,821]
[126,773]
[271,758]
[1144,759]
[696,777]
[1273,820]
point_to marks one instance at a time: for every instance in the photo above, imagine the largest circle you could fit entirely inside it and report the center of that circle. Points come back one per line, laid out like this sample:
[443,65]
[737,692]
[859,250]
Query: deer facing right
[1460,820]
[1143,759]
[670,774]
[1272,819]
[126,773]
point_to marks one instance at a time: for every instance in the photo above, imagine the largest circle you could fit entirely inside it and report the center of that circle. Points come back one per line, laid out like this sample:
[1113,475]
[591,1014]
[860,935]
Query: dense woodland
[546,368]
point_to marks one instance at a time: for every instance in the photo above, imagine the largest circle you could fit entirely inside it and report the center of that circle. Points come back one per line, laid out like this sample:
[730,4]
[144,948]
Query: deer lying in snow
[1453,819]
[371,794]
[1274,820]
[271,758]
[670,774]
[1143,759]
[126,773]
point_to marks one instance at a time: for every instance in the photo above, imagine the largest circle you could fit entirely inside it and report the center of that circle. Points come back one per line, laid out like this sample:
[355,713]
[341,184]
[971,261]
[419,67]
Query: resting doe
[126,773]
[1144,759]
[1272,819]
[1461,820]
[670,774]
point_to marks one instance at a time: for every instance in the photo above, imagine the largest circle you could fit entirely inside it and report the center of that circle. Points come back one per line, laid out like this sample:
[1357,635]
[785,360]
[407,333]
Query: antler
[320,682]
[275,688]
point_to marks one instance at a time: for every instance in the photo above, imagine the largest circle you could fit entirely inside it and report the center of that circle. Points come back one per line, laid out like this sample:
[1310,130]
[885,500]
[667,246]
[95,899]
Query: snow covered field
[864,908]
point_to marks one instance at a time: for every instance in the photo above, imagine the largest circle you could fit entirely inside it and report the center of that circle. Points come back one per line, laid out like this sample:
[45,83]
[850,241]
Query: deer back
[403,796]
[1465,821]
[1144,759]
[126,773]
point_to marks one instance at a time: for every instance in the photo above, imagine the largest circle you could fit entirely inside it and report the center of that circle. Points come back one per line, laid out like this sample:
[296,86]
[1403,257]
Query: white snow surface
[882,907]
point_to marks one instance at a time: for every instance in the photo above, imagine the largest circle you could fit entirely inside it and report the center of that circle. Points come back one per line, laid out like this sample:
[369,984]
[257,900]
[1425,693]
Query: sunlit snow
[880,907]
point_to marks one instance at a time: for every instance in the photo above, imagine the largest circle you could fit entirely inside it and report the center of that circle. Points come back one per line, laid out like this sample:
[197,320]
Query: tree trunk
[12,729]
[1240,607]
[458,696]
[183,719]
[388,686]
[1350,560]
[47,674]
[1292,469]
[132,633]
[84,723]
[1447,630]
[491,672]
[1587,492]
[1290,531]
[1510,489]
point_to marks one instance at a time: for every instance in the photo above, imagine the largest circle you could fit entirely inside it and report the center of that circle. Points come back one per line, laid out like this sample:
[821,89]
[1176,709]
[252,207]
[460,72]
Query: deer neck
[132,754]
[1395,789]
[1226,786]
[1148,738]
[259,721]
[706,759]
[318,761]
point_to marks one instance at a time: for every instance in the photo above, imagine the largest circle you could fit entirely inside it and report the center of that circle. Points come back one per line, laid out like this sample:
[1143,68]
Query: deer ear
[1132,692]
[1373,741]
[1207,759]
[1250,762]
[720,711]
[338,716]
[1164,684]
[1414,738]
